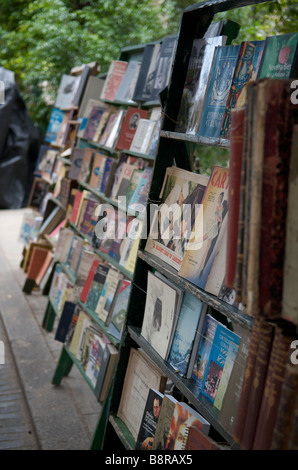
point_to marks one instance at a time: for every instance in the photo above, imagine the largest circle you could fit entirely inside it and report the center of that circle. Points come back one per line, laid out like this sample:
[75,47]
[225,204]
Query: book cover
[76,163]
[203,350]
[206,241]
[97,169]
[94,119]
[129,127]
[164,422]
[113,132]
[88,281]
[107,294]
[92,92]
[187,325]
[127,86]
[54,125]
[123,181]
[246,70]
[225,59]
[114,77]
[148,51]
[90,104]
[94,361]
[225,344]
[141,375]
[66,91]
[164,67]
[138,201]
[106,173]
[129,249]
[86,164]
[197,440]
[65,321]
[172,225]
[184,416]
[149,420]
[142,137]
[106,368]
[196,82]
[134,181]
[159,315]
[96,286]
[280,58]
[151,73]
[74,253]
[119,309]
[87,222]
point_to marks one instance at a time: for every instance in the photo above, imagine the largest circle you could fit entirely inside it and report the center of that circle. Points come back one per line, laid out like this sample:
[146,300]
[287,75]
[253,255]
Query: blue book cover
[225,60]
[54,125]
[187,325]
[106,173]
[222,341]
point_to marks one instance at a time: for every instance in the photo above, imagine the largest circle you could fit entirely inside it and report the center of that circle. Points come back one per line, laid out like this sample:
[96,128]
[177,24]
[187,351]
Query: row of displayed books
[179,327]
[218,74]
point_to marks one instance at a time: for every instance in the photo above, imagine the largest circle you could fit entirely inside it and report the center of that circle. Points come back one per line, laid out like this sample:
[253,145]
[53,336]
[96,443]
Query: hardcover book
[114,77]
[127,86]
[280,58]
[129,127]
[225,60]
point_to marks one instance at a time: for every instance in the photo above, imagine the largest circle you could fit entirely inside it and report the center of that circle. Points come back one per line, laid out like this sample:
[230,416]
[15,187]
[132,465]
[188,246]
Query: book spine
[247,382]
[280,119]
[272,391]
[258,382]
[236,147]
[286,409]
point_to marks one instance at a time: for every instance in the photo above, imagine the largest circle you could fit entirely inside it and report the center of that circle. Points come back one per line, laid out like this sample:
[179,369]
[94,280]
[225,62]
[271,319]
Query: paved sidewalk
[34,414]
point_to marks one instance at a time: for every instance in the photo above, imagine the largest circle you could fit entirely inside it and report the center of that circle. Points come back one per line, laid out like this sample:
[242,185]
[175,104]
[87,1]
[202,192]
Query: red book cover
[236,147]
[88,282]
[37,260]
[76,206]
[114,78]
[129,127]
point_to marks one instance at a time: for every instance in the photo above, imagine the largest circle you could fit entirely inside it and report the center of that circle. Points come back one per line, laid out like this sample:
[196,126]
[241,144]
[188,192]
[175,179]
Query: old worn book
[114,77]
[236,148]
[272,391]
[96,284]
[258,384]
[164,65]
[207,244]
[106,365]
[119,309]
[129,127]
[247,382]
[290,291]
[127,86]
[141,375]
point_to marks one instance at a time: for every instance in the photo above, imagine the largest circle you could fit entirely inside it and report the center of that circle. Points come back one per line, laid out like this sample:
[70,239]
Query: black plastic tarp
[19,143]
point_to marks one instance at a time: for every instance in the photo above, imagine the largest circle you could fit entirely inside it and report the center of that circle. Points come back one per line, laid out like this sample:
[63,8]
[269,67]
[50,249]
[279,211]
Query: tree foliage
[42,39]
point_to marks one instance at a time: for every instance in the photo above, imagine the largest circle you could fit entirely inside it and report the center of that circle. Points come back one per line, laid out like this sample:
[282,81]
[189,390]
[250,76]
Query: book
[74,254]
[90,104]
[225,60]
[107,293]
[207,247]
[65,321]
[188,324]
[289,296]
[149,79]
[113,132]
[93,121]
[39,261]
[172,224]
[95,357]
[66,91]
[142,137]
[97,170]
[145,64]
[88,281]
[246,70]
[141,375]
[123,181]
[96,285]
[114,77]
[54,125]
[83,79]
[92,92]
[76,163]
[119,309]
[134,181]
[197,440]
[280,58]
[127,86]
[106,371]
[86,224]
[159,315]
[236,148]
[85,263]
[129,127]
[164,422]
[163,67]
[196,82]
[87,161]
[203,349]
[138,200]
[129,249]
[220,364]
[184,416]
[149,420]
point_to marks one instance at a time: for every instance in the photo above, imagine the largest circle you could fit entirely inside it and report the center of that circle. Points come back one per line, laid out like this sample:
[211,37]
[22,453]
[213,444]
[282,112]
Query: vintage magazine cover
[203,249]
[181,195]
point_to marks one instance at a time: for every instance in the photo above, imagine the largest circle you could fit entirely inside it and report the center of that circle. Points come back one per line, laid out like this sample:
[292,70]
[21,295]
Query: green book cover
[280,57]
